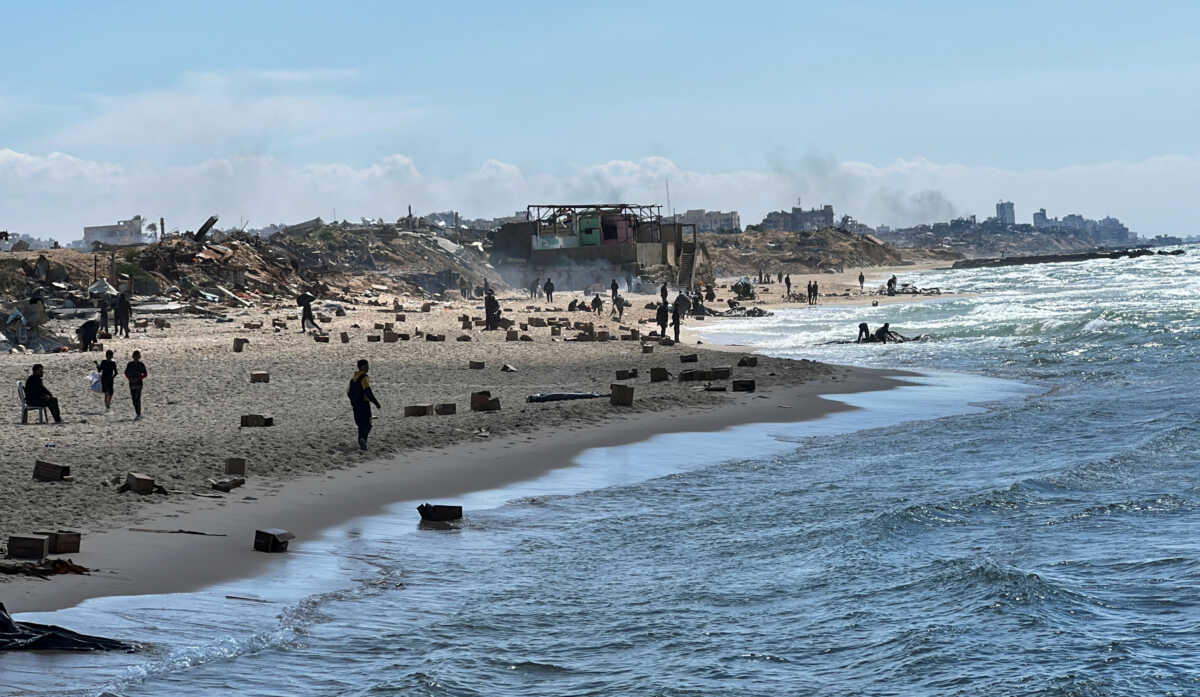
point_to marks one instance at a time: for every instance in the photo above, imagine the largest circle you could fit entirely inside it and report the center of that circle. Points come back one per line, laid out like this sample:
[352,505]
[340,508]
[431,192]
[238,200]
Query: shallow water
[1019,524]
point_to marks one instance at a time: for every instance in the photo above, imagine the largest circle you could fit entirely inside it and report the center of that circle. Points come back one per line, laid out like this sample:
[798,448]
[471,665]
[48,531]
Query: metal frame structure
[562,217]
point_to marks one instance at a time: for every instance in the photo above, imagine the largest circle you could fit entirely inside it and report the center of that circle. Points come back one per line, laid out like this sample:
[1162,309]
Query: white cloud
[57,194]
[232,114]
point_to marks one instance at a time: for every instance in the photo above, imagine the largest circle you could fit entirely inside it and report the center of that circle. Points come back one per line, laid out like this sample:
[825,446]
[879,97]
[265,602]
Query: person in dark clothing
[548,289]
[808,292]
[675,320]
[881,334]
[573,306]
[306,318]
[491,311]
[597,305]
[663,292]
[533,289]
[619,307]
[108,374]
[361,399]
[861,279]
[36,394]
[710,295]
[104,314]
[87,334]
[615,287]
[121,316]
[864,333]
[661,317]
[816,292]
[787,282]
[779,277]
[135,373]
[891,285]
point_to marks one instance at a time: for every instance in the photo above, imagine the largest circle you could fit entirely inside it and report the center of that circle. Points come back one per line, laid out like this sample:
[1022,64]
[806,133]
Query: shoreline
[126,562]
[301,484]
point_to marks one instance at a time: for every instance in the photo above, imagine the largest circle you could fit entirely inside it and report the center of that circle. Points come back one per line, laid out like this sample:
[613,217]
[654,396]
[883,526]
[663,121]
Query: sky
[895,112]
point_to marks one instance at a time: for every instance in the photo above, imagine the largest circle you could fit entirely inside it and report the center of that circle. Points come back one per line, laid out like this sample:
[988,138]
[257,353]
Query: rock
[475,365]
[257,421]
[445,409]
[689,358]
[260,376]
[743,385]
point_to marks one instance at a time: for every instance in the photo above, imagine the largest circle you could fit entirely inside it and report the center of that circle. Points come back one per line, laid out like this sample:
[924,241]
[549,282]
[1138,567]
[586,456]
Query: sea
[1021,519]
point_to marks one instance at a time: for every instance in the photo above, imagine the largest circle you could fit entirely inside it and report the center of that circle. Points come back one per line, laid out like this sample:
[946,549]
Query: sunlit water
[1023,522]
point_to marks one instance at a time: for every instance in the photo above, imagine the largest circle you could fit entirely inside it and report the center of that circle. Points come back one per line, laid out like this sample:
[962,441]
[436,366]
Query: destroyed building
[582,245]
[125,232]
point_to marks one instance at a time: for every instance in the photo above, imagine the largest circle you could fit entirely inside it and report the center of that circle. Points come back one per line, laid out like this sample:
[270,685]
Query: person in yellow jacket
[361,399]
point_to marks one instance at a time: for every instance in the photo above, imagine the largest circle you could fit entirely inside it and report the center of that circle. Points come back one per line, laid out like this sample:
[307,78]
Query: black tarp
[30,636]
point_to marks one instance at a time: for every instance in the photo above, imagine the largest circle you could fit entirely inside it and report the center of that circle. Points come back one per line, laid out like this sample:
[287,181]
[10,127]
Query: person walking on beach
[861,279]
[660,316]
[135,373]
[108,374]
[549,290]
[675,320]
[615,287]
[597,305]
[787,282]
[533,289]
[36,394]
[306,318]
[816,292]
[361,399]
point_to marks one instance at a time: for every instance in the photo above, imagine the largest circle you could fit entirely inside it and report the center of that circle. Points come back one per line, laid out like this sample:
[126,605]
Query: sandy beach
[305,472]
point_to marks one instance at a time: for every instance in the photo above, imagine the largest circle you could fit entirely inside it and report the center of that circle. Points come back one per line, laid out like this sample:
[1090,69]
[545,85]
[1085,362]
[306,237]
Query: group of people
[38,395]
[537,289]
[882,335]
[122,311]
[814,291]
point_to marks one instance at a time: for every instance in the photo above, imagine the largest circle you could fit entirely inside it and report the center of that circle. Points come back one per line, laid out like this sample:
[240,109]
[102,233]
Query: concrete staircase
[687,264]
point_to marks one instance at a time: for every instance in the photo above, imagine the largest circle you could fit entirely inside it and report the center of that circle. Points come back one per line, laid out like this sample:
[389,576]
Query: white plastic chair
[26,407]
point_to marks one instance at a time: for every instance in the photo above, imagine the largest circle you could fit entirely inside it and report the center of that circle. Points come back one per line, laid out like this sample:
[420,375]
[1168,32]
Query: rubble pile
[829,249]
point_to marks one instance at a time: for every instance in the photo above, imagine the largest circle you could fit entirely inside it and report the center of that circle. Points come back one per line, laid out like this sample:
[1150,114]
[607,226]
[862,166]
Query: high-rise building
[1005,213]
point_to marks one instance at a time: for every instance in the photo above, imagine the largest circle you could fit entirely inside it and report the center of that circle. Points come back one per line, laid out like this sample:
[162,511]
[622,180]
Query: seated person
[36,394]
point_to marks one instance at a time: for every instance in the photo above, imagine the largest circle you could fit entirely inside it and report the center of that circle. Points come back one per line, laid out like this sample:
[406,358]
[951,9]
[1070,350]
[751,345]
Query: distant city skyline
[283,112]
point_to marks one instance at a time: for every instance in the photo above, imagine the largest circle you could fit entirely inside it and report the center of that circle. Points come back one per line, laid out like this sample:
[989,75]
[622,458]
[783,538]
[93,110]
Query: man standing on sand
[361,399]
[860,280]
[135,373]
[549,290]
[675,320]
[121,316]
[491,311]
[615,287]
[787,281]
[36,394]
[663,292]
[660,317]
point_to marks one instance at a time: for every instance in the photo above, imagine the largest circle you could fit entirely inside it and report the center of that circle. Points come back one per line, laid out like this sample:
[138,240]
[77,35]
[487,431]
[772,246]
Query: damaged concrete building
[579,246]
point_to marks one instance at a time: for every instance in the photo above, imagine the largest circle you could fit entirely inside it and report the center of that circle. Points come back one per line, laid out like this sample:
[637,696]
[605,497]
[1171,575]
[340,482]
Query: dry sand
[305,472]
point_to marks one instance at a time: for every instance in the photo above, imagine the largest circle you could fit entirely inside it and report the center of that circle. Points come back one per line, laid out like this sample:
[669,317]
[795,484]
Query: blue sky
[895,112]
